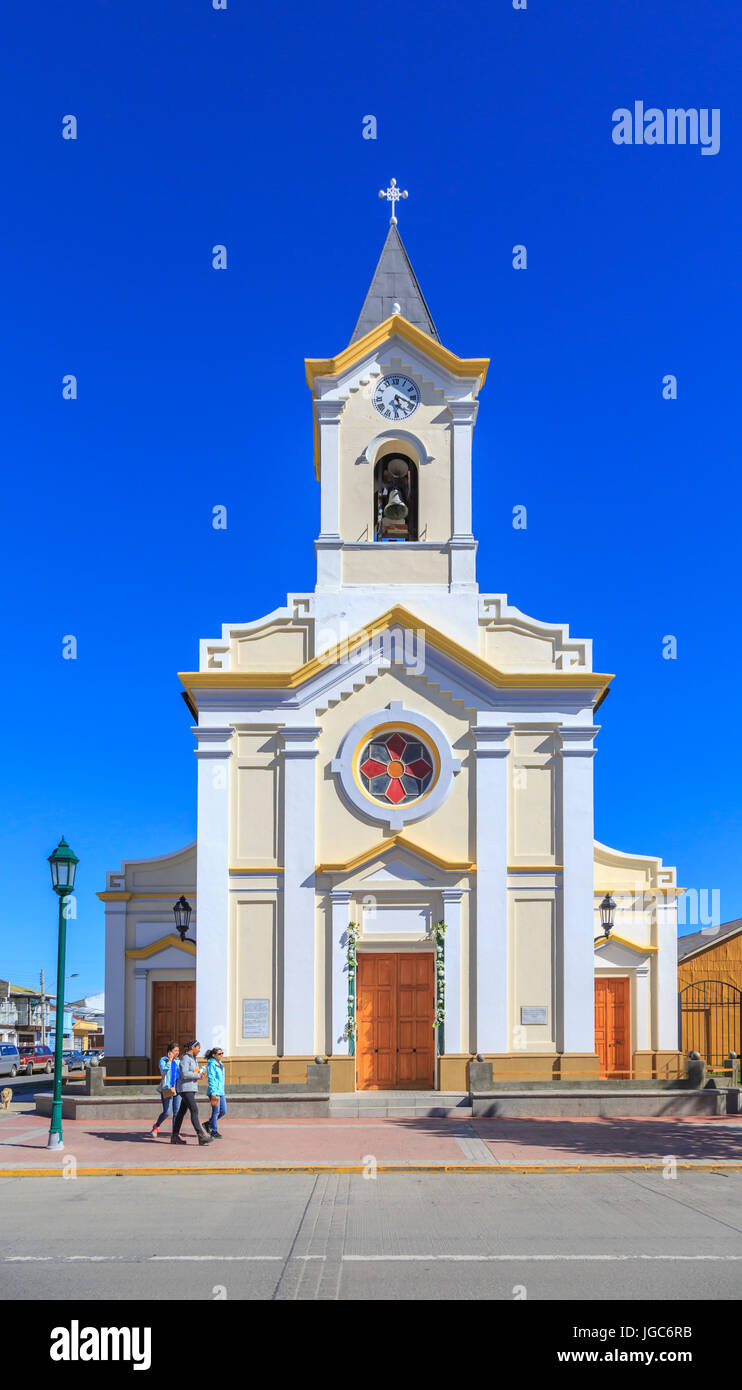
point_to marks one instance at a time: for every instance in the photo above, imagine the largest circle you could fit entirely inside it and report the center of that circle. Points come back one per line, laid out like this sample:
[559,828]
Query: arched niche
[396,496]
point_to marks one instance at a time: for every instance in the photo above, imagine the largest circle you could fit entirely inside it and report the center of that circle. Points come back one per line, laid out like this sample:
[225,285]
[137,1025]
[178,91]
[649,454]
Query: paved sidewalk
[419,1144]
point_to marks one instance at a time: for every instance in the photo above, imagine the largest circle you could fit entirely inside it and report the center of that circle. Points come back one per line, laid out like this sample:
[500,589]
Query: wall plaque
[533,1015]
[255,1018]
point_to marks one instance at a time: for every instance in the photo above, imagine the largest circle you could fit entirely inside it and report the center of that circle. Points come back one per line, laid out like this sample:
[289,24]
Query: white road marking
[358,1259]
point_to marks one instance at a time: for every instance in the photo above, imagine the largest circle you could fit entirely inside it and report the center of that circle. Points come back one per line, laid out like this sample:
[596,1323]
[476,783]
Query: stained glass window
[396,767]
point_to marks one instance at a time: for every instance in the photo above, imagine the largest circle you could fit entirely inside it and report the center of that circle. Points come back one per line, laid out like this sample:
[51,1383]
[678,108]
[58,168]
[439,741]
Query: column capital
[463,412]
[298,740]
[491,741]
[578,743]
[452,895]
[329,412]
[141,972]
[340,895]
[213,743]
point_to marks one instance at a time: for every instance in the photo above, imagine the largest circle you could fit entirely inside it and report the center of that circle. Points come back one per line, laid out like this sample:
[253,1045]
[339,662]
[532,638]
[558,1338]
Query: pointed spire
[394,284]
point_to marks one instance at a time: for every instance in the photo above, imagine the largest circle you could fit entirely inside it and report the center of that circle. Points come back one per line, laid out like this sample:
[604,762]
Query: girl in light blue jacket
[215,1091]
[168,1086]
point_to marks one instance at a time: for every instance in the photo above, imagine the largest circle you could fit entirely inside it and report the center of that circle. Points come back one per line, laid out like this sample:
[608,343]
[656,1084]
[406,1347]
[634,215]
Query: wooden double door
[613,1025]
[395,1001]
[173,1015]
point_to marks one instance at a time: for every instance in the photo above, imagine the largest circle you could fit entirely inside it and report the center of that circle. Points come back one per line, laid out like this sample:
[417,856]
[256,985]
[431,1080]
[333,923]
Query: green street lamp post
[63,864]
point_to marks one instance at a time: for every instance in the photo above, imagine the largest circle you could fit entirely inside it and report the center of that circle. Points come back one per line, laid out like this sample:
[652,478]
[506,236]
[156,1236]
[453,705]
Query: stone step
[360,1105]
[391,1114]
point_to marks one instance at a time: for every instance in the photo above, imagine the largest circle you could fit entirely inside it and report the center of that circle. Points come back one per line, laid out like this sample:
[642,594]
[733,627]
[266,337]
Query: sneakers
[216,1135]
[155,1131]
[176,1139]
[204,1139]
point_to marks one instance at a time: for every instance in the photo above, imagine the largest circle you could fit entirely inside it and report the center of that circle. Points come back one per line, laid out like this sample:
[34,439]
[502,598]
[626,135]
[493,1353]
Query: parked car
[92,1056]
[10,1059]
[36,1058]
[75,1060]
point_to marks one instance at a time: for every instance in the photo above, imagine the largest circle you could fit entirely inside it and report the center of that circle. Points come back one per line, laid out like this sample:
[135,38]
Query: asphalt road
[340,1236]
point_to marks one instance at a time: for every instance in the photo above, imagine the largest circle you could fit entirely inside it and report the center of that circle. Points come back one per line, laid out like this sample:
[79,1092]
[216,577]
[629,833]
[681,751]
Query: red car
[36,1058]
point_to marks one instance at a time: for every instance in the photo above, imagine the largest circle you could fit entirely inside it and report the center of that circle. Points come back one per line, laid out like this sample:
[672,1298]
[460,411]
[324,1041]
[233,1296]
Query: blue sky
[244,127]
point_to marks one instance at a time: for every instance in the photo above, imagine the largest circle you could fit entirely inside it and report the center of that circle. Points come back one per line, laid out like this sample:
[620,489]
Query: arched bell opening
[395,498]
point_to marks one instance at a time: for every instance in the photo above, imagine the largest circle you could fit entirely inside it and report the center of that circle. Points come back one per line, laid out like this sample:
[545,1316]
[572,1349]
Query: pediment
[397,862]
[623,954]
[399,870]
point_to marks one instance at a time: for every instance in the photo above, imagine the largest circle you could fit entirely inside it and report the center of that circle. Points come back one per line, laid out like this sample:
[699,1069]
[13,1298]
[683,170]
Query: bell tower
[394,414]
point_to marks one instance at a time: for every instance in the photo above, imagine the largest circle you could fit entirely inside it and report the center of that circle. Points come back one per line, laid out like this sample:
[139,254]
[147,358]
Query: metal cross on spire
[393,194]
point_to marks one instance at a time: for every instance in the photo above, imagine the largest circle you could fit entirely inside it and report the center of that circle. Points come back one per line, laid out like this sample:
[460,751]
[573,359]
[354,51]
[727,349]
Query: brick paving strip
[343,1146]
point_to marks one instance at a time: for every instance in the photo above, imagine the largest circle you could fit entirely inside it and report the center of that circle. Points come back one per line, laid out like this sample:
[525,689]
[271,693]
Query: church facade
[395,865]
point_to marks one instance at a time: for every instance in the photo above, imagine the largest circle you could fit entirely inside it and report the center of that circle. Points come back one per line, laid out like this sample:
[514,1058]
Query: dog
[6,1096]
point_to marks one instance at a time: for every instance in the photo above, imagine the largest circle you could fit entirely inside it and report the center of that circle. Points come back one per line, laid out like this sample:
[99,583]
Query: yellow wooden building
[710,992]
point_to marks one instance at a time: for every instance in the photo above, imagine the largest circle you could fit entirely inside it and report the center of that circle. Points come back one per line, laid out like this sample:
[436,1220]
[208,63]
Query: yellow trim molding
[452,865]
[401,616]
[117,895]
[141,952]
[394,326]
[633,945]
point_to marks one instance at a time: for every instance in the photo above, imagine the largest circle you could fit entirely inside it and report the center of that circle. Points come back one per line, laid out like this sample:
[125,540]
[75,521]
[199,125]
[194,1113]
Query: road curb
[201,1170]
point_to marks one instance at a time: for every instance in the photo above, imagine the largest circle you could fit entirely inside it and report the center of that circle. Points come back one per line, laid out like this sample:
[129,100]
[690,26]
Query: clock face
[395,397]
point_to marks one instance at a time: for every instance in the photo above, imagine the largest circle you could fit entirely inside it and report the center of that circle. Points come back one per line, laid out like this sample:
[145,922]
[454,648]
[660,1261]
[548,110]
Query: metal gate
[711,1020]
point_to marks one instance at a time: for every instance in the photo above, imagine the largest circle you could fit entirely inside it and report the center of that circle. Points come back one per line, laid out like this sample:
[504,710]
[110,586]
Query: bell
[395,509]
[396,470]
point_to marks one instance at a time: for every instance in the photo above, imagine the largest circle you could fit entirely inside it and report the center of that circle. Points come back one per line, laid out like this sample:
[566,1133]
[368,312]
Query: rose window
[396,768]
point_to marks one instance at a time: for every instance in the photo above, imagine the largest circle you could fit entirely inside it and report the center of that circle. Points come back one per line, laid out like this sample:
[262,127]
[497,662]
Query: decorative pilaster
[140,1013]
[340,899]
[462,544]
[642,1041]
[212,876]
[666,973]
[575,981]
[491,749]
[115,978]
[329,544]
[451,898]
[298,853]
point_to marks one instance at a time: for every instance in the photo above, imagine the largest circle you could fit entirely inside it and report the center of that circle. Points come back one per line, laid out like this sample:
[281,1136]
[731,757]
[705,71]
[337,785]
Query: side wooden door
[173,1015]
[612,1025]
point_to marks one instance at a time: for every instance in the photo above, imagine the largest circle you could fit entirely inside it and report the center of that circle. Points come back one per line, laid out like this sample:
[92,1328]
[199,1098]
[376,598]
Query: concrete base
[145,1109]
[521,1104]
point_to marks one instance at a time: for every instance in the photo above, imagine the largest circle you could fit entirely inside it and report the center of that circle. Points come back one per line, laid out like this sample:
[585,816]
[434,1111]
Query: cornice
[396,327]
[471,661]
[113,895]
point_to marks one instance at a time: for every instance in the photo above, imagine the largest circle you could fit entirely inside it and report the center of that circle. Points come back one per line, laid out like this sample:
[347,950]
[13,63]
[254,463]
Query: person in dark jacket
[190,1073]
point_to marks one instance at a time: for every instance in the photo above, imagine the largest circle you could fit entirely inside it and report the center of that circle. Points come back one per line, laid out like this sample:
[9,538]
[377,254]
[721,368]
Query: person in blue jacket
[215,1091]
[168,1086]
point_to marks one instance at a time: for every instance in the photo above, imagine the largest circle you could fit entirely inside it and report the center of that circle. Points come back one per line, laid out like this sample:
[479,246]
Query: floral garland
[439,932]
[351,1026]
